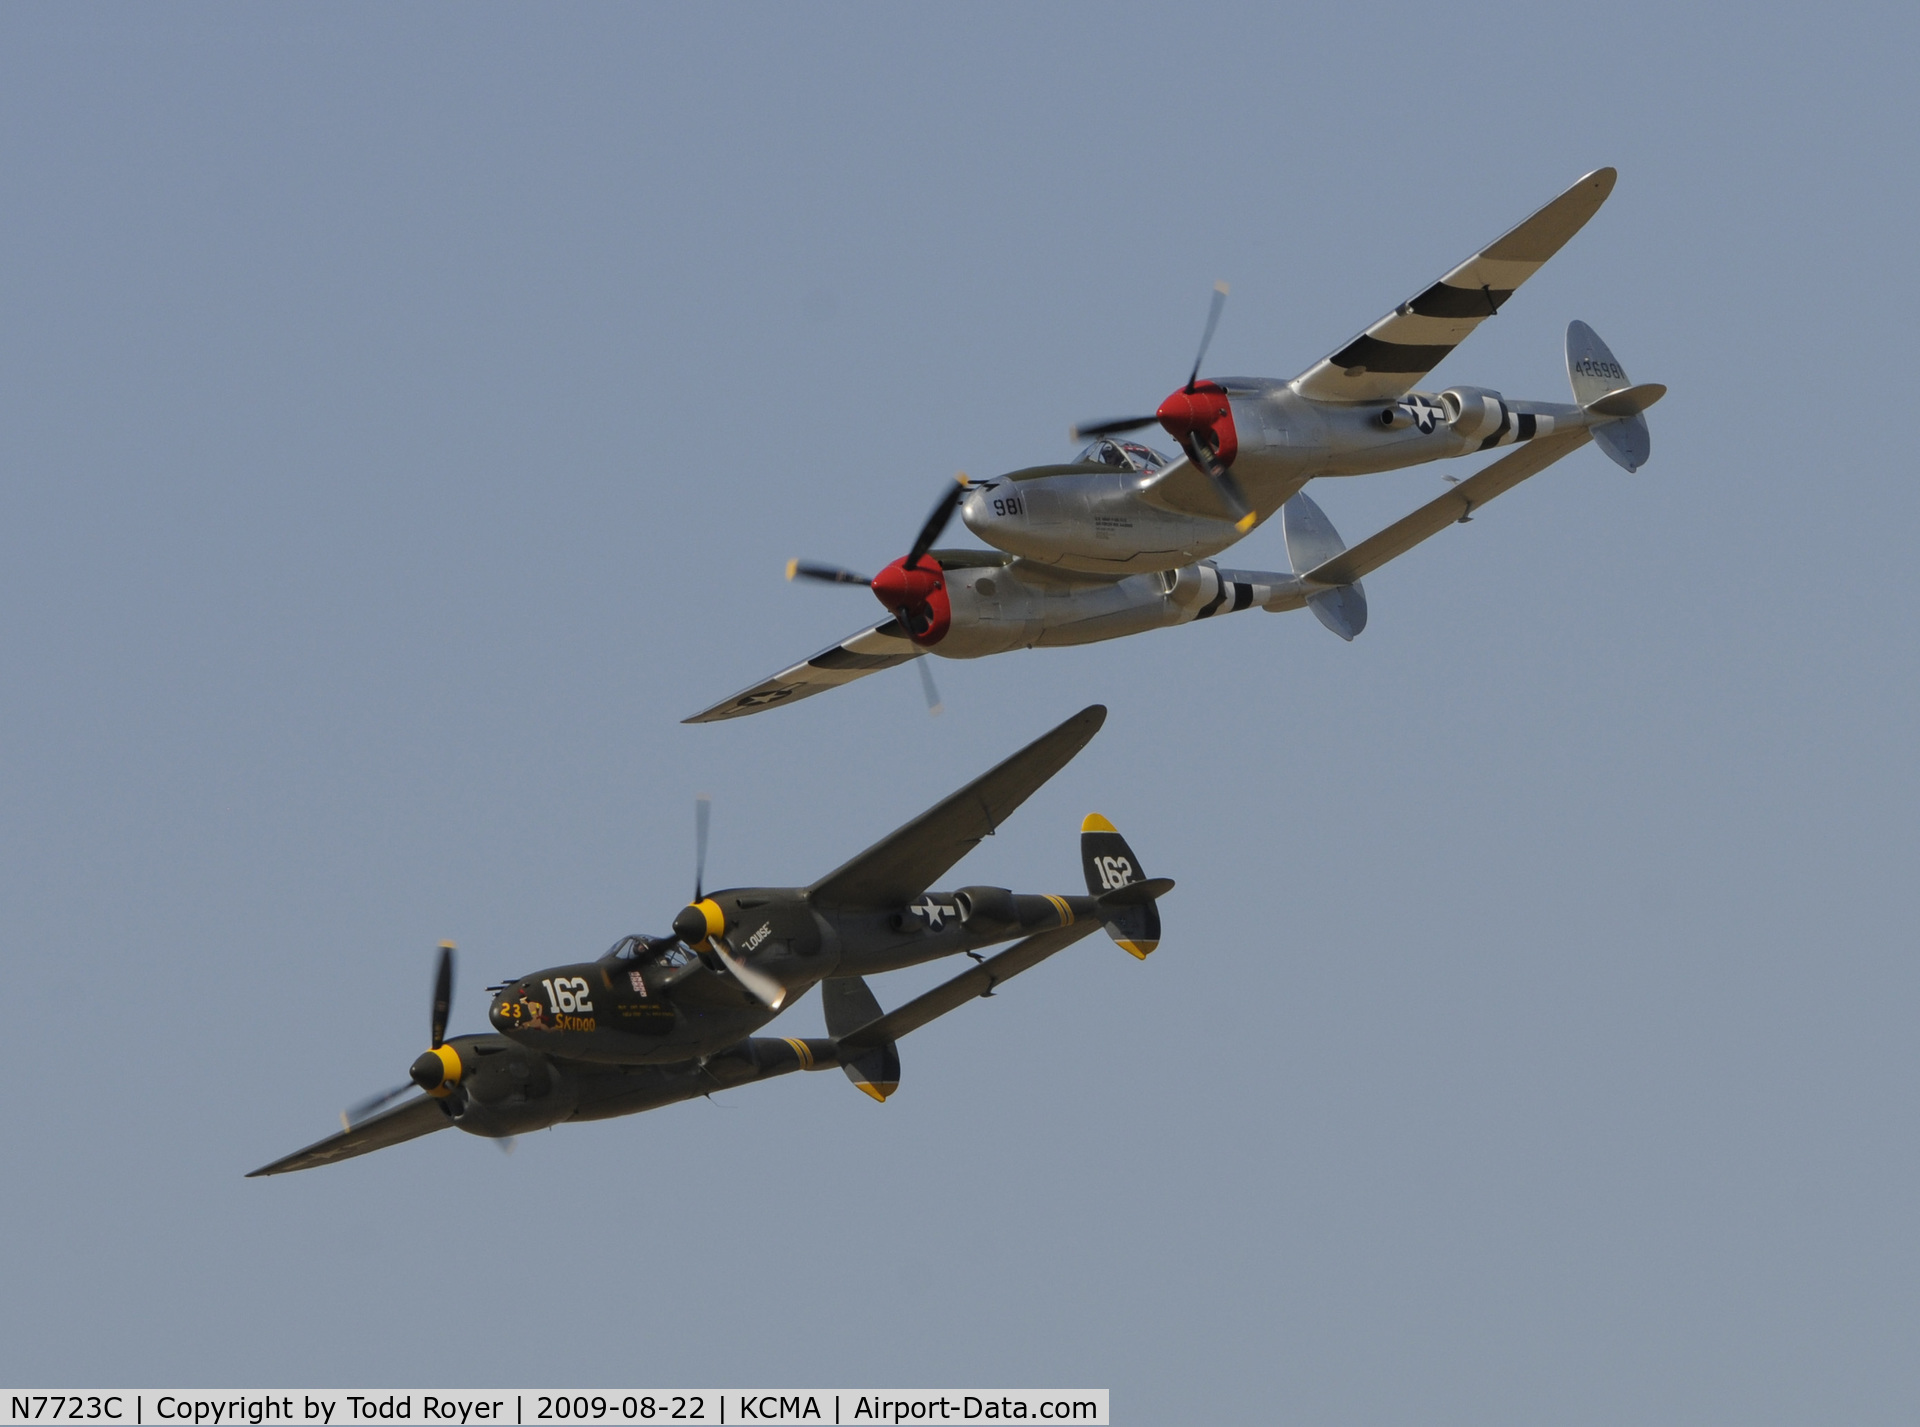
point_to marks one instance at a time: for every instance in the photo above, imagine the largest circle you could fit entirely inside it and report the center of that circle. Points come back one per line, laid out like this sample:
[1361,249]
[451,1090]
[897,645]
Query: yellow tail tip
[1093,822]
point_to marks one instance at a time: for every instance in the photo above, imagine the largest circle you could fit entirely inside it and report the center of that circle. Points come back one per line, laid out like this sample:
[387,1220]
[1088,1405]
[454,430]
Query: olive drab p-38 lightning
[1121,539]
[659,1019]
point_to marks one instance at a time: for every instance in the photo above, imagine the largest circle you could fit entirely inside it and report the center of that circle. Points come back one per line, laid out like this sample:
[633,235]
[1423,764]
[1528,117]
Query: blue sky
[405,415]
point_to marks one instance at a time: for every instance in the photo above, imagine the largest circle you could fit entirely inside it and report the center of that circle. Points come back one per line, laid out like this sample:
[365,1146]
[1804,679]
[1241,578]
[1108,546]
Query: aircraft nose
[1180,414]
[437,1071]
[508,1013]
[899,588]
[691,925]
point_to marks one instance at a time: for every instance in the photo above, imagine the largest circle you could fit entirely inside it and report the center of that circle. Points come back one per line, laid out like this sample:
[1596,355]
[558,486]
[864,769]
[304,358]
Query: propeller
[1189,412]
[703,922]
[912,587]
[830,574]
[937,521]
[1206,337]
[762,987]
[442,994]
[702,816]
[430,1071]
[926,683]
[837,575]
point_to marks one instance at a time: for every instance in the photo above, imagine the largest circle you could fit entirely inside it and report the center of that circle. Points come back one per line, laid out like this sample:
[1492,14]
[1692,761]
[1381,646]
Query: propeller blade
[1110,428]
[1206,337]
[1224,481]
[926,683]
[831,574]
[442,994]
[354,1114]
[937,522]
[762,987]
[702,813]
[507,1144]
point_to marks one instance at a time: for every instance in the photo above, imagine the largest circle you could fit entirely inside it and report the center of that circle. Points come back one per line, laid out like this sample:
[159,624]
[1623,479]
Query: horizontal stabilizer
[1458,503]
[980,981]
[1137,894]
[1630,402]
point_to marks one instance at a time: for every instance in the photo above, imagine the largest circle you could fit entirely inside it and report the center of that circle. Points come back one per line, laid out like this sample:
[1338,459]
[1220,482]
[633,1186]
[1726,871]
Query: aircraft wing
[1436,515]
[1391,356]
[949,995]
[911,859]
[879,646]
[406,1121]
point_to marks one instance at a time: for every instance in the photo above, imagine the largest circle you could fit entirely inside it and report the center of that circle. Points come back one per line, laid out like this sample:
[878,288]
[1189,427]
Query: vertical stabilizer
[1111,866]
[1596,374]
[849,1005]
[1311,542]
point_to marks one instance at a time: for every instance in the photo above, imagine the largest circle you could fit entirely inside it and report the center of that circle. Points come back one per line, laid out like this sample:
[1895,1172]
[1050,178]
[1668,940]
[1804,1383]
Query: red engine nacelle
[918,596]
[1188,413]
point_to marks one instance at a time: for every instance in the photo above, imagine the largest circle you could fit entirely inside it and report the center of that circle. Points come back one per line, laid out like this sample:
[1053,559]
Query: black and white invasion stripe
[1391,356]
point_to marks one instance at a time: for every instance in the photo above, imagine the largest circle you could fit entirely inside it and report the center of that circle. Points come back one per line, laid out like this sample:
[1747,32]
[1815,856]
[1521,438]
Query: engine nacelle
[508,1090]
[917,597]
[1473,412]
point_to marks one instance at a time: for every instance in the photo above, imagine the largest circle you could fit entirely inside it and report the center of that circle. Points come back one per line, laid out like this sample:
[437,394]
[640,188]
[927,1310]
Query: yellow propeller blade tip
[1245,522]
[792,566]
[1221,288]
[448,946]
[960,476]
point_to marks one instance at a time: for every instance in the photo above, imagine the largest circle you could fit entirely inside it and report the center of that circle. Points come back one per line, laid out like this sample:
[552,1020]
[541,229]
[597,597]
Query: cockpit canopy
[1122,455]
[647,948]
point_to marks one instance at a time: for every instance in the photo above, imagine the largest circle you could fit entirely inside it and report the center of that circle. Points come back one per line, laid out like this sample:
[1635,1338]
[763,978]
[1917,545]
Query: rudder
[1312,541]
[1599,381]
[849,1004]
[1111,865]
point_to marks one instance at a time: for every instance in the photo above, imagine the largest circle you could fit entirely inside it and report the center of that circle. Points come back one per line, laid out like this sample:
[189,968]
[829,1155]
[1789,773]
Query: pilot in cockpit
[638,948]
[1123,455]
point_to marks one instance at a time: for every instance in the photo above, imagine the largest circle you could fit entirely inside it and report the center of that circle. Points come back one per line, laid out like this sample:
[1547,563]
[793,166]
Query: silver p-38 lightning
[1121,539]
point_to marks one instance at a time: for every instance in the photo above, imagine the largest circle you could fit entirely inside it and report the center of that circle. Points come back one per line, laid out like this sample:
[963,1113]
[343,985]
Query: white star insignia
[933,911]
[1423,412]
